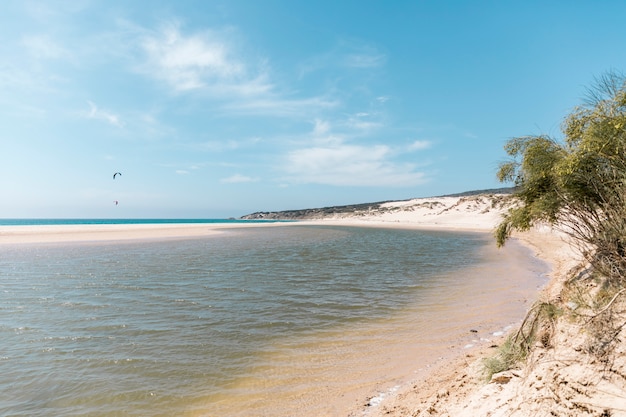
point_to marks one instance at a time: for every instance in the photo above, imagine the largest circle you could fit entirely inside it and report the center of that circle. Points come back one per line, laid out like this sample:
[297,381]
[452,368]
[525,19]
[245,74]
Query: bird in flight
[116,202]
[117,173]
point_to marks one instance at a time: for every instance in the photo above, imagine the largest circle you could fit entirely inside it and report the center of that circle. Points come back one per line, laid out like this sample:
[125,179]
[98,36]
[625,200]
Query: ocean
[86,221]
[256,321]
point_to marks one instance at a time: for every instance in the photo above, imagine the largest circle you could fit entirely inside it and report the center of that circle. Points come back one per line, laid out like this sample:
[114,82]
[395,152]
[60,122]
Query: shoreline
[457,387]
[123,232]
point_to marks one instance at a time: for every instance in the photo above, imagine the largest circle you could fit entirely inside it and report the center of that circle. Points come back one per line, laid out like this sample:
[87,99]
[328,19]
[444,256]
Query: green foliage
[536,179]
[537,326]
[509,354]
[577,184]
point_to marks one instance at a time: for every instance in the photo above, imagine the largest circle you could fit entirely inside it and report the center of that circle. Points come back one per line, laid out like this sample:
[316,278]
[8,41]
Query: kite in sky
[120,174]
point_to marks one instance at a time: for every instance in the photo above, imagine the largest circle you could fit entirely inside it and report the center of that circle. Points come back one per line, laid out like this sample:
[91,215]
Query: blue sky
[221,108]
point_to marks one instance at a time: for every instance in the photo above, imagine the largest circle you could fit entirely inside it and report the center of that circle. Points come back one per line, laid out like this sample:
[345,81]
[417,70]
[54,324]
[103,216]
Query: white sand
[109,232]
[474,213]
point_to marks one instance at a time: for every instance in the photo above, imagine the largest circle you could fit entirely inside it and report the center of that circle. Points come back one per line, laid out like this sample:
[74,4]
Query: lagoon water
[255,321]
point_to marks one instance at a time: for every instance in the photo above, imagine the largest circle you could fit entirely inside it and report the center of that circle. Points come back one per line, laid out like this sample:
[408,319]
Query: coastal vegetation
[577,185]
[538,327]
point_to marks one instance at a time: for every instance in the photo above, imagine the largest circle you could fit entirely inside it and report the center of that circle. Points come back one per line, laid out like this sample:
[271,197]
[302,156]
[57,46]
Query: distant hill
[316,213]
[505,190]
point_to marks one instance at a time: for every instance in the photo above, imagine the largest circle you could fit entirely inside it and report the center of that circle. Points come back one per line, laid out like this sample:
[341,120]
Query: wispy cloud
[202,60]
[278,106]
[103,115]
[364,60]
[350,165]
[182,170]
[210,63]
[238,178]
[363,122]
[419,145]
[225,144]
[346,54]
[321,127]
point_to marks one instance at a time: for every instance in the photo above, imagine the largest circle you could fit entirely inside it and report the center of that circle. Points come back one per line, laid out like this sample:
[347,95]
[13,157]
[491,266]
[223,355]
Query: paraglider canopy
[117,173]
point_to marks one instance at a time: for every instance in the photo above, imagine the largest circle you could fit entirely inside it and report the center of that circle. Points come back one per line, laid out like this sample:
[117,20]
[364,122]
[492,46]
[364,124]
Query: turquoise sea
[61,222]
[258,321]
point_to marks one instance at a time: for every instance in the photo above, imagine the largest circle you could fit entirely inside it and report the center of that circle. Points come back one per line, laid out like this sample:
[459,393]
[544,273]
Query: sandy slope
[480,212]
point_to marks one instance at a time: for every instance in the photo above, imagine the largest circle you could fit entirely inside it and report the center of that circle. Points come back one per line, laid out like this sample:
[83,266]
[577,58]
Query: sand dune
[478,212]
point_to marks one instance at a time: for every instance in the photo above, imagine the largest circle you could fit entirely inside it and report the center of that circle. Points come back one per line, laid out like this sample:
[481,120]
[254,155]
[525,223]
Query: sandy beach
[113,232]
[454,388]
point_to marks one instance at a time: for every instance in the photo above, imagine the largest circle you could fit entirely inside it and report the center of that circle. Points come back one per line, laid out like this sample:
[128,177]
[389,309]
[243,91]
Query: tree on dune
[577,184]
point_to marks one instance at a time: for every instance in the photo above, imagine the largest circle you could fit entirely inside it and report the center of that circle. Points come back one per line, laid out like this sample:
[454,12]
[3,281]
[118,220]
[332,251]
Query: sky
[216,109]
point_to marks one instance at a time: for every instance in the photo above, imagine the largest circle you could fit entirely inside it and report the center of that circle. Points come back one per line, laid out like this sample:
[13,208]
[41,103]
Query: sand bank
[112,232]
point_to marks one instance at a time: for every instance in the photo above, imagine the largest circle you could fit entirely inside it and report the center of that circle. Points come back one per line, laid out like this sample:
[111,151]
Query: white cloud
[322,135]
[211,63]
[185,62]
[276,106]
[350,165]
[419,145]
[362,122]
[204,60]
[238,178]
[103,115]
[321,127]
[222,145]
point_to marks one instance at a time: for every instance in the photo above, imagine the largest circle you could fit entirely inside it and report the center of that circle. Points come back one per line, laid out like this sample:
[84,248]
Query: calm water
[275,321]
